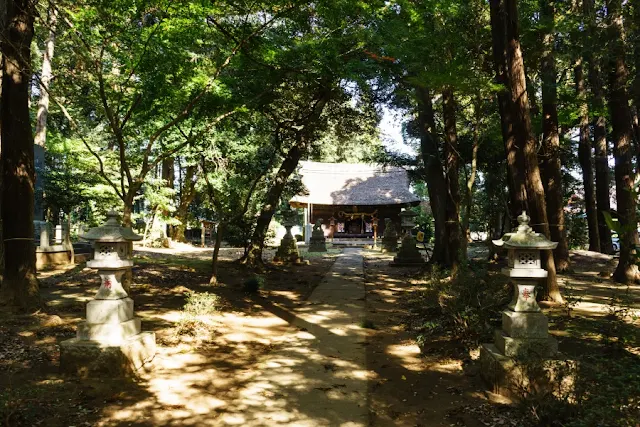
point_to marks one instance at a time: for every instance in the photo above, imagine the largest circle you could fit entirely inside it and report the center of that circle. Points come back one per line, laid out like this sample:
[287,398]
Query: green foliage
[254,284]
[577,233]
[466,308]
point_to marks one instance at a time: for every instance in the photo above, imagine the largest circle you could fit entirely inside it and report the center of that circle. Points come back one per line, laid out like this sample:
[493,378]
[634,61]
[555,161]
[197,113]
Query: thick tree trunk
[636,82]
[585,158]
[187,195]
[20,286]
[253,257]
[526,143]
[455,246]
[515,160]
[627,270]
[436,183]
[599,128]
[216,251]
[552,172]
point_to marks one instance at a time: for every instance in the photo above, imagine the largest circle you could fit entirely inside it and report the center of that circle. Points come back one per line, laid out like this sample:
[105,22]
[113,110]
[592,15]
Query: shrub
[299,238]
[467,308]
[197,305]
[253,284]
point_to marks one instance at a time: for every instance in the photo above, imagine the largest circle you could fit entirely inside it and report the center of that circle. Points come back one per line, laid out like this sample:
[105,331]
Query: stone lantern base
[523,340]
[408,255]
[288,250]
[110,342]
[96,359]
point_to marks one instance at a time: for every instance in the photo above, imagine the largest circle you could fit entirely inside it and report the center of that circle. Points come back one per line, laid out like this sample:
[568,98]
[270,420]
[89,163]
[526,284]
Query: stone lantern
[408,254]
[407,220]
[525,330]
[110,340]
[288,249]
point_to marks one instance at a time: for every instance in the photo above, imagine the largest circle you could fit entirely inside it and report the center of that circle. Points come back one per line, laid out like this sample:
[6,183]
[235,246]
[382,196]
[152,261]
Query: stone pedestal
[88,358]
[408,255]
[317,243]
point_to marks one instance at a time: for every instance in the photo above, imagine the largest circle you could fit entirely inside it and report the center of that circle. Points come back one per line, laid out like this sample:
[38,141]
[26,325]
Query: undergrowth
[198,305]
[466,308]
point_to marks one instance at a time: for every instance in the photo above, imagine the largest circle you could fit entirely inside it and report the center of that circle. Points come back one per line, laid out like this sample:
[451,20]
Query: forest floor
[202,374]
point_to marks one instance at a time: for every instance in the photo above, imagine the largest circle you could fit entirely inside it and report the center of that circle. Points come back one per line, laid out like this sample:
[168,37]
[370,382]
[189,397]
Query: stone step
[109,333]
[525,347]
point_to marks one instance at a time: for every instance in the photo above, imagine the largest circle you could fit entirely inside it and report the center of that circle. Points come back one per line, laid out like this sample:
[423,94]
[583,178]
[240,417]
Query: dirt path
[317,374]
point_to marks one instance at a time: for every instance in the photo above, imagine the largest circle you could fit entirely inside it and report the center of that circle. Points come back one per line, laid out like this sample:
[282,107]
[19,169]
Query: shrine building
[350,197]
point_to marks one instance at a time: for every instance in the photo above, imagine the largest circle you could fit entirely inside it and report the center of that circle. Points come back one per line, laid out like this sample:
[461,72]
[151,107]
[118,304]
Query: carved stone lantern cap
[288,218]
[525,237]
[111,231]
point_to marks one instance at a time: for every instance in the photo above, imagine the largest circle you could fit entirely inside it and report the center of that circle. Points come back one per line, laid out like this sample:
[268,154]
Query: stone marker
[288,249]
[110,341]
[408,255]
[318,243]
[390,238]
[524,332]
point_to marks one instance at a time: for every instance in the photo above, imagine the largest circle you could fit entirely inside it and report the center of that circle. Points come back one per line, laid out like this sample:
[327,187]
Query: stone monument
[48,254]
[318,243]
[525,331]
[408,255]
[390,238]
[288,249]
[110,341]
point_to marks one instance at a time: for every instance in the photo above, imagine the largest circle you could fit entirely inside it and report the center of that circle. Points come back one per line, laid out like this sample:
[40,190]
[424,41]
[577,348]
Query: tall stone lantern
[408,254]
[525,330]
[110,341]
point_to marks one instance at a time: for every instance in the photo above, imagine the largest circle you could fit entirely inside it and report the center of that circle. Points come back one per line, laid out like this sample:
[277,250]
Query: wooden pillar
[202,233]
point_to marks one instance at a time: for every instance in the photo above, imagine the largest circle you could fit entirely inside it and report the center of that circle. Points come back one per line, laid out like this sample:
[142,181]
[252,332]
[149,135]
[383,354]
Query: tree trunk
[436,183]
[585,158]
[45,79]
[253,256]
[455,246]
[599,127]
[169,175]
[472,175]
[216,250]
[551,140]
[20,286]
[627,270]
[525,142]
[636,82]
[187,195]
[128,209]
[515,160]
